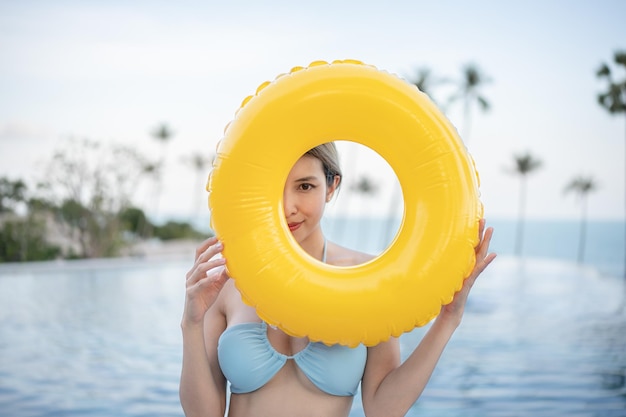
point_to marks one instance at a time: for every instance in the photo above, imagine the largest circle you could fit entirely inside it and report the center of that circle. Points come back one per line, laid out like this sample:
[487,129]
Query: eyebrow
[307,179]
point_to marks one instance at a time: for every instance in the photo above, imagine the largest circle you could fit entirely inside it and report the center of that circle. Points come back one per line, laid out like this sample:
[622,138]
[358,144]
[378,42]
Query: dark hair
[328,155]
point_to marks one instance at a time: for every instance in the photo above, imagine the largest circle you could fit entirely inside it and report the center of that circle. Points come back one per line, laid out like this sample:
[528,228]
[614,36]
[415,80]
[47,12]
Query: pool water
[102,338]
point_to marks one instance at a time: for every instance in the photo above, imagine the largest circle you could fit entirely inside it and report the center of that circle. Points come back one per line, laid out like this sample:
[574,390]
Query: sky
[113,71]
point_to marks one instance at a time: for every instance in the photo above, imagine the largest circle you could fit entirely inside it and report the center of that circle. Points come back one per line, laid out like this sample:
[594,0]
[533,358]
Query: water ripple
[540,338]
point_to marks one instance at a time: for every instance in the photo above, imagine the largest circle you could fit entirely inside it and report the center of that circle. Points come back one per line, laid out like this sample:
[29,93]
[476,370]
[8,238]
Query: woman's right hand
[205,280]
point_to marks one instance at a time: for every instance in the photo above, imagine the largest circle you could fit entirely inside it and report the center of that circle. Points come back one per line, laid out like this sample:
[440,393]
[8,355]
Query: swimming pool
[102,338]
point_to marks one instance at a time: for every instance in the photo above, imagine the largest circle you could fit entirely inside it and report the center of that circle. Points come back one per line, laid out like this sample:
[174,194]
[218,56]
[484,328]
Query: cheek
[317,204]
[322,204]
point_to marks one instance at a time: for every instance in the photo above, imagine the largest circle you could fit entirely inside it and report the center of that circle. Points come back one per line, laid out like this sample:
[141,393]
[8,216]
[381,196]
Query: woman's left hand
[455,309]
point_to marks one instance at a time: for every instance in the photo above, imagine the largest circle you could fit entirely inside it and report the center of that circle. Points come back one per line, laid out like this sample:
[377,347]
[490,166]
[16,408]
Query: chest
[238,312]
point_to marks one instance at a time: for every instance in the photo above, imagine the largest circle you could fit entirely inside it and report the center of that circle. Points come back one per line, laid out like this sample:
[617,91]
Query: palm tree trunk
[520,220]
[339,222]
[623,307]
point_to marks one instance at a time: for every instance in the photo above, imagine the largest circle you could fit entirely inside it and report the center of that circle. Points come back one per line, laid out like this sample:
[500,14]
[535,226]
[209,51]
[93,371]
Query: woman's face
[305,197]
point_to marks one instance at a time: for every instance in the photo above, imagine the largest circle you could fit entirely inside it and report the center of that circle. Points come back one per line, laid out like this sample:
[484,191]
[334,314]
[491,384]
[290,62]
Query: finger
[215,280]
[487,235]
[483,263]
[203,269]
[483,246]
[481,228]
[483,257]
[202,259]
[225,275]
[205,245]
[209,253]
[480,265]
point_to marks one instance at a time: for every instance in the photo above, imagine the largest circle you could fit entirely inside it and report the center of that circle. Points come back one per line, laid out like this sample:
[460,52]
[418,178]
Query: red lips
[294,226]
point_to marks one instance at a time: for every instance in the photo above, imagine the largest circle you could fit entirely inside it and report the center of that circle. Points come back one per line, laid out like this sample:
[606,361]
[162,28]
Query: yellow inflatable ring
[433,250]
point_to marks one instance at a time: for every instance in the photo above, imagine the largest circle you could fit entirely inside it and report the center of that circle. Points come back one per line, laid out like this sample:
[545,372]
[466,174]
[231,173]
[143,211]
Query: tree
[177,230]
[425,81]
[200,165]
[365,187]
[582,186]
[524,165]
[134,221]
[24,239]
[162,134]
[11,194]
[614,98]
[23,236]
[469,92]
[91,185]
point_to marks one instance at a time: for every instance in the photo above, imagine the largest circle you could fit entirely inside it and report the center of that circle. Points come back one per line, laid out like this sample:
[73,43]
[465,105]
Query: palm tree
[524,165]
[468,91]
[614,98]
[200,164]
[582,186]
[365,187]
[425,81]
[152,171]
[162,134]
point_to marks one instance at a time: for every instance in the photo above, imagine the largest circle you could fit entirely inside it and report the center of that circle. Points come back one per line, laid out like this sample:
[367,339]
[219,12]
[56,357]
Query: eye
[306,186]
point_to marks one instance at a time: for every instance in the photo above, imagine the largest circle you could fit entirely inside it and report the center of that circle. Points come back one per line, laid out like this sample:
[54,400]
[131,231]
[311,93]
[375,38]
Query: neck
[315,245]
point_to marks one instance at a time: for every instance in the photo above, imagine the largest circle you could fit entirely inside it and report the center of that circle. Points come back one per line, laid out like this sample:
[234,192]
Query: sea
[544,332]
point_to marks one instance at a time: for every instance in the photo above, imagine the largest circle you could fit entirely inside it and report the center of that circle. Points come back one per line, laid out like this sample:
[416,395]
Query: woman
[273,374]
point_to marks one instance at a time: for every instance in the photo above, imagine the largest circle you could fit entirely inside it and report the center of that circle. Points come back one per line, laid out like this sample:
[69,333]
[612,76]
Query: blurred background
[110,113]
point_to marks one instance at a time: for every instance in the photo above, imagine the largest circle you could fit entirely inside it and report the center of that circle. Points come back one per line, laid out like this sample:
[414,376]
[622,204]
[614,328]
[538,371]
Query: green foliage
[177,230]
[163,133]
[614,98]
[85,199]
[581,185]
[11,193]
[92,186]
[468,93]
[425,81]
[74,214]
[526,163]
[134,221]
[24,240]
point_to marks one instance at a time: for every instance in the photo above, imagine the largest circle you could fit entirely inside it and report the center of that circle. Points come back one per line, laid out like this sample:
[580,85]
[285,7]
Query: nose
[289,203]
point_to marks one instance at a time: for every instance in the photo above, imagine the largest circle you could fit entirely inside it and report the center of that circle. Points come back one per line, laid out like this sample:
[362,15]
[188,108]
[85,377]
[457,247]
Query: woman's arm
[390,388]
[202,385]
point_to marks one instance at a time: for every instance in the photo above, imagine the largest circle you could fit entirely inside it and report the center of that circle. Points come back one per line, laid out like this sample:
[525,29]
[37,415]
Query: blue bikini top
[248,360]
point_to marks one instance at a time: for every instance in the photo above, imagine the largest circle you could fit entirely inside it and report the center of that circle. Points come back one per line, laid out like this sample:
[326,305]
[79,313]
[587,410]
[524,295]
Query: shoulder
[224,303]
[339,256]
[229,298]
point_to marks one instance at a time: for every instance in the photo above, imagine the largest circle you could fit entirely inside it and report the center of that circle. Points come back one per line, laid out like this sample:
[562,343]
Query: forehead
[307,166]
